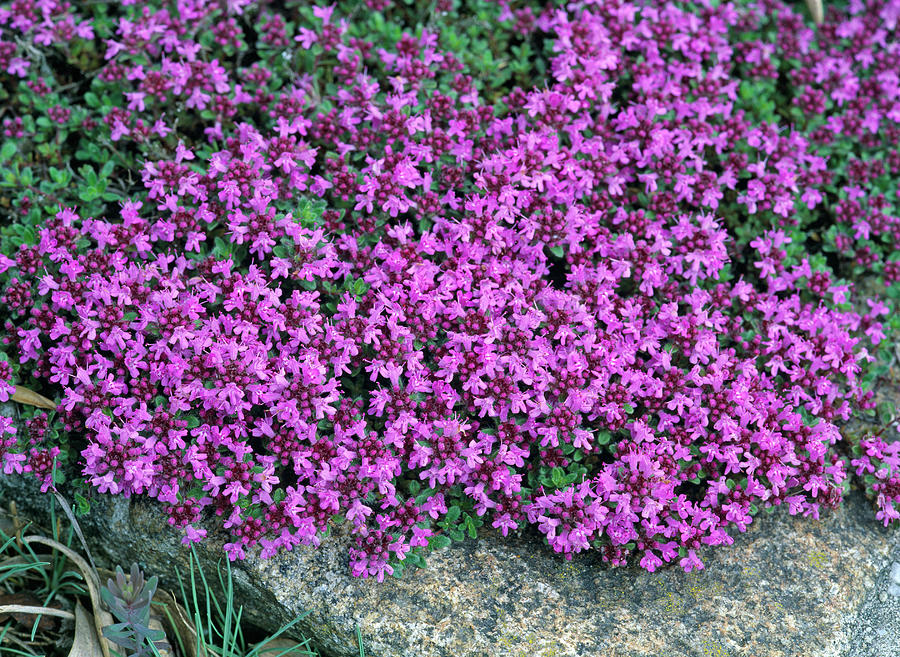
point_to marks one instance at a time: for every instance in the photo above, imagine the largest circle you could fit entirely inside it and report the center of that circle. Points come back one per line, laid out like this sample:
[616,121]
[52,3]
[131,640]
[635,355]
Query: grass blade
[68,511]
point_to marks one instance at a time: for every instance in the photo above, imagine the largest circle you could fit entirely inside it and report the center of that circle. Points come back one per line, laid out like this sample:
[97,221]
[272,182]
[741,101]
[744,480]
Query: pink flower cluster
[496,289]
[878,462]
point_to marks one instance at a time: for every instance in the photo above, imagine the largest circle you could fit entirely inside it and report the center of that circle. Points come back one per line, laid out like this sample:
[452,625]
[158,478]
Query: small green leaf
[557,476]
[886,411]
[360,286]
[87,172]
[416,560]
[82,505]
[8,150]
[452,514]
[438,541]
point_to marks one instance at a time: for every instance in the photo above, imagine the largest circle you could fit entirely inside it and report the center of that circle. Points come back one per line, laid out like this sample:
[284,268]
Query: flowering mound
[419,267]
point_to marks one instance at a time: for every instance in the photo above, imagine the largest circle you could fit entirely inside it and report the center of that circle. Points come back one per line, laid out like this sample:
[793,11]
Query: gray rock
[876,632]
[789,586]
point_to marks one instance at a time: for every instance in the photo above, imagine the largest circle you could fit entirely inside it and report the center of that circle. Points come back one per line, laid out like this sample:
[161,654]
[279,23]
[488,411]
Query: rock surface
[789,586]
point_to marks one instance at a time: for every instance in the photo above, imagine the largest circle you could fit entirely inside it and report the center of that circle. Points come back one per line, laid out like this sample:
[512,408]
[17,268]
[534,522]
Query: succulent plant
[129,602]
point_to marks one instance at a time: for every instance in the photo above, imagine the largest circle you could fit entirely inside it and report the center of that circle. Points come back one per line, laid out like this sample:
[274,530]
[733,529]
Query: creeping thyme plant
[418,267]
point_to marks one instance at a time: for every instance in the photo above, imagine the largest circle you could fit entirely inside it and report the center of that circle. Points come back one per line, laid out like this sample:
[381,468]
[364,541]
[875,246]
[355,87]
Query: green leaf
[87,172]
[452,514]
[88,195]
[57,175]
[25,233]
[470,527]
[558,250]
[886,411]
[82,505]
[557,476]
[8,150]
[438,541]
[359,286]
[416,560]
[747,90]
